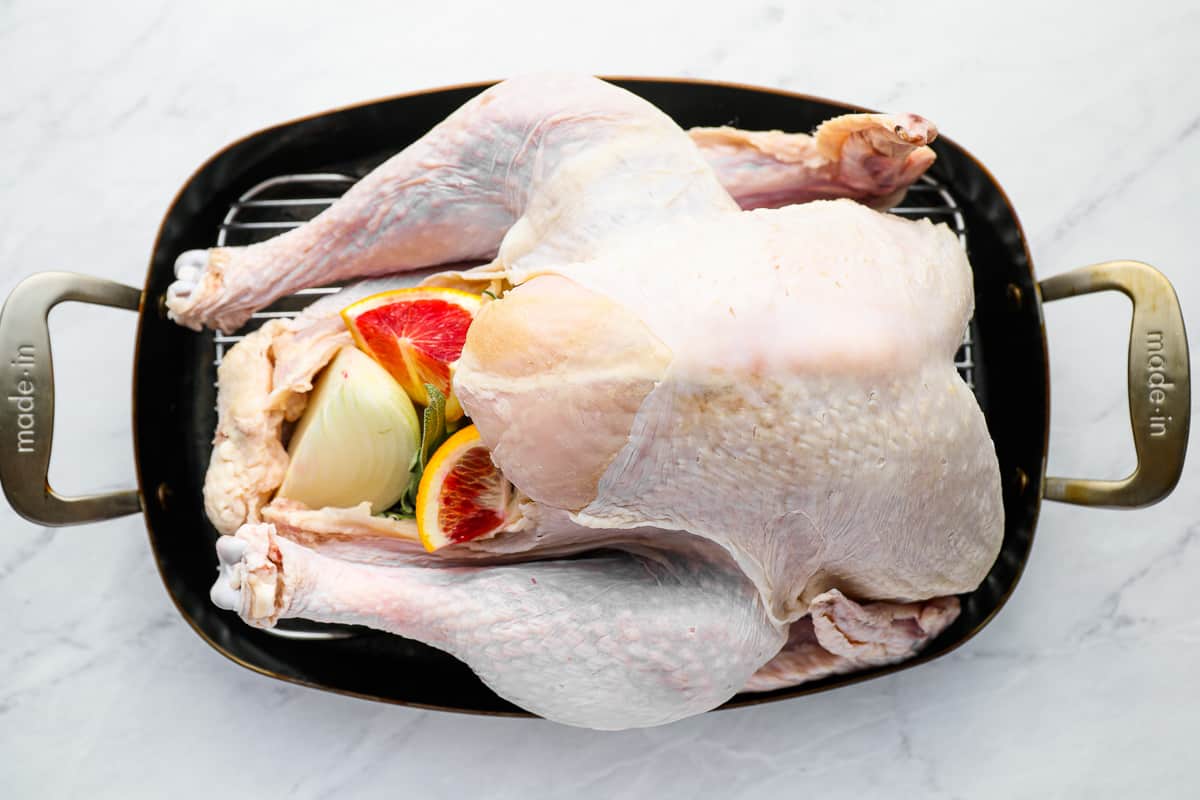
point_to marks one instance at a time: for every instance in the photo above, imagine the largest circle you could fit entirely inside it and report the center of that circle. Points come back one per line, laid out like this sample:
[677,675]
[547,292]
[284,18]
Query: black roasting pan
[174,395]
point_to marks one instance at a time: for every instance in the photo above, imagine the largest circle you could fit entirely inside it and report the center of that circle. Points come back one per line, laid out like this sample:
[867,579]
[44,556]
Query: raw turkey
[727,399]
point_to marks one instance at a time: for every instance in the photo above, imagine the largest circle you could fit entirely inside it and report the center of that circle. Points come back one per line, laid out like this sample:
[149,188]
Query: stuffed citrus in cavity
[462,496]
[417,335]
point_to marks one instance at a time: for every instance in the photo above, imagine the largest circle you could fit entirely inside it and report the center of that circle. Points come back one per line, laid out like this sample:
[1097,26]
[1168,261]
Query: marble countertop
[1084,686]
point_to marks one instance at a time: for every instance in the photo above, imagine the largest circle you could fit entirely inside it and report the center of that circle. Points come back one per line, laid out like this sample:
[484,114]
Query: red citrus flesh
[471,497]
[433,329]
[417,335]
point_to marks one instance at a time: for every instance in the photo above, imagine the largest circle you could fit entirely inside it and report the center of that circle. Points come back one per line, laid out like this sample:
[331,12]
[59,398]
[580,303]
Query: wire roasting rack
[288,201]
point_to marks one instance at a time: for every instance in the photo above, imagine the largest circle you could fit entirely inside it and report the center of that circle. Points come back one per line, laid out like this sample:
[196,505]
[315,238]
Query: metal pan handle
[1160,396]
[27,412]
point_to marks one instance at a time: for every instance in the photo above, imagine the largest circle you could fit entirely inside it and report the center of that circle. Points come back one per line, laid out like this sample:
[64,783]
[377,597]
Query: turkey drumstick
[624,639]
[613,641]
[454,194]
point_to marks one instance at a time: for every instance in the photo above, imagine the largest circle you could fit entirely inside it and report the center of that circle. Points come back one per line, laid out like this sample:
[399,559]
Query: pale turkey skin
[631,637]
[808,383]
[752,416]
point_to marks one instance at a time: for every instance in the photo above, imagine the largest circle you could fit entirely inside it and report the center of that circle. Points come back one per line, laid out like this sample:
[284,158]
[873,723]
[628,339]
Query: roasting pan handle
[1160,399]
[27,415]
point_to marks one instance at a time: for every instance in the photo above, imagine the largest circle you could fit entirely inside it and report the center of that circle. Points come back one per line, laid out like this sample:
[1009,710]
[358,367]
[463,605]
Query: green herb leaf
[433,433]
[433,426]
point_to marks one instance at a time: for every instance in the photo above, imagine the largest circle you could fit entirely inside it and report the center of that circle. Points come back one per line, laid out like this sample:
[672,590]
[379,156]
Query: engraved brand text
[23,399]
[1158,383]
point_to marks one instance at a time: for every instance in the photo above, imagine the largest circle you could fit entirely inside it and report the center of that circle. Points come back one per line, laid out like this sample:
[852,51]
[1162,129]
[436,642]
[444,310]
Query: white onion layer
[356,439]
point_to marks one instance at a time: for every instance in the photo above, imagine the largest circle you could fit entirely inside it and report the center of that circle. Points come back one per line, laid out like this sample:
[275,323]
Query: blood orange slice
[462,495]
[417,335]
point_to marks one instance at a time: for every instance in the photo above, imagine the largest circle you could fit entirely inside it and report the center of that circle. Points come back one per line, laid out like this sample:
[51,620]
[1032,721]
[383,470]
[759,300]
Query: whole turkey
[720,380]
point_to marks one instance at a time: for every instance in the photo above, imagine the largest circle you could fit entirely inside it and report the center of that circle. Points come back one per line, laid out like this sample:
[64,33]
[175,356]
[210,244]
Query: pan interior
[281,177]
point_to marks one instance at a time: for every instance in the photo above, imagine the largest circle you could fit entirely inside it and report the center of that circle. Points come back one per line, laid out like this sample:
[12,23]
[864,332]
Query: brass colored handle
[27,416]
[1160,398]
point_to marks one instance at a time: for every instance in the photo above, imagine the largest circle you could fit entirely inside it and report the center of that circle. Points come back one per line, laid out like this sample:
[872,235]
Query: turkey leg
[454,194]
[613,641]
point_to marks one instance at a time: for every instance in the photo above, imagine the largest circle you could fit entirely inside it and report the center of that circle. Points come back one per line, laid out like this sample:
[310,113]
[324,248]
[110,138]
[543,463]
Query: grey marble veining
[1084,686]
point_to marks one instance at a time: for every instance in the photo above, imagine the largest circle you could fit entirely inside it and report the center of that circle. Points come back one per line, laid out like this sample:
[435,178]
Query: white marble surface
[1086,685]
